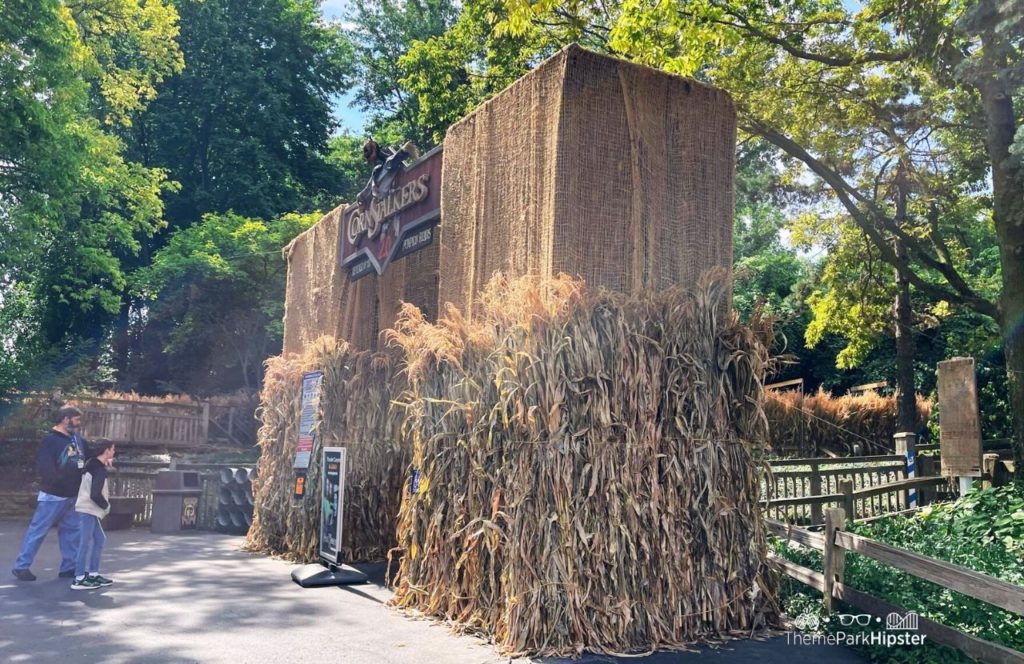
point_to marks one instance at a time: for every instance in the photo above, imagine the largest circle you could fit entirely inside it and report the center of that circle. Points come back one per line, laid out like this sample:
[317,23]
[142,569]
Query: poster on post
[307,419]
[332,492]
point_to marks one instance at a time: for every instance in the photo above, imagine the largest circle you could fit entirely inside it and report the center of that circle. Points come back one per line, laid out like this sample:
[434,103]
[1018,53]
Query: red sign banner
[395,221]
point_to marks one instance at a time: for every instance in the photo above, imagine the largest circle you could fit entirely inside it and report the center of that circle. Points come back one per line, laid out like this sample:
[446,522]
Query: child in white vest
[93,504]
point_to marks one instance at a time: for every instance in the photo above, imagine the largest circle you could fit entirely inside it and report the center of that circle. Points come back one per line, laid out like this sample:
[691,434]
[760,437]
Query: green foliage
[244,126]
[983,531]
[900,119]
[345,157]
[210,305]
[20,347]
[766,270]
[72,209]
[131,47]
[383,32]
[449,74]
[990,517]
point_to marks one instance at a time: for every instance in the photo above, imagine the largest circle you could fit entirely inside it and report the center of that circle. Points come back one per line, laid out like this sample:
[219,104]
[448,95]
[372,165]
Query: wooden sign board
[959,423]
[395,220]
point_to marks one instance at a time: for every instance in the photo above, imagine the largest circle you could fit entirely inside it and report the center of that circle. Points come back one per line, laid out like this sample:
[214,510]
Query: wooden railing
[141,423]
[138,423]
[798,490]
[835,542]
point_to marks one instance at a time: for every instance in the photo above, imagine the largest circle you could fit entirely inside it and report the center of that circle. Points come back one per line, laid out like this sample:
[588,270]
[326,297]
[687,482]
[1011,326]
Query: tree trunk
[1008,218]
[1014,350]
[906,394]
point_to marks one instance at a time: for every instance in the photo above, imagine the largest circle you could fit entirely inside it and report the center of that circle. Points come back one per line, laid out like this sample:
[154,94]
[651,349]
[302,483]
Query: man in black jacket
[62,456]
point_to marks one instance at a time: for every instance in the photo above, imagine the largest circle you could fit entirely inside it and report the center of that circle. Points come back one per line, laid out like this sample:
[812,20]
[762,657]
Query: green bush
[983,531]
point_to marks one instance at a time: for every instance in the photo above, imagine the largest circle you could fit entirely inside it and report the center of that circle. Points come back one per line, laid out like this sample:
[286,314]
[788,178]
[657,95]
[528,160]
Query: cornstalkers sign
[395,214]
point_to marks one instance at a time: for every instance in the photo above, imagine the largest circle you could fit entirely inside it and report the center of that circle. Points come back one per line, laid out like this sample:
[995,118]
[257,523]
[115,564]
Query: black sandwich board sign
[330,571]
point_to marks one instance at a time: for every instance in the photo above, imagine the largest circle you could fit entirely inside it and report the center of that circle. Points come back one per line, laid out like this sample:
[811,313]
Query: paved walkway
[198,598]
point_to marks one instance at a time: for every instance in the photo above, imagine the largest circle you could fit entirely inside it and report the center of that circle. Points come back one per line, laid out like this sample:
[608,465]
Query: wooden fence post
[205,423]
[988,465]
[133,421]
[835,557]
[906,444]
[815,491]
[846,488]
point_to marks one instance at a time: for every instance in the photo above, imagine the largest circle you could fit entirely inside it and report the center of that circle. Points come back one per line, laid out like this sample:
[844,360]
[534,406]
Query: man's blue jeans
[93,538]
[49,512]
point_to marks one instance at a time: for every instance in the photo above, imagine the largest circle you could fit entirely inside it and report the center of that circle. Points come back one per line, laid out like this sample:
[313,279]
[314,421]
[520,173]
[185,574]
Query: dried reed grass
[355,412]
[588,468]
[818,424]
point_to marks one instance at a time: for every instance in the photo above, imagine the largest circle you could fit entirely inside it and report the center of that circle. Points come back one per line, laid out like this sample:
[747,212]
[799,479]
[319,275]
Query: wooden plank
[972,646]
[821,461]
[974,584]
[811,473]
[203,434]
[900,485]
[799,535]
[804,500]
[982,650]
[857,389]
[800,573]
[888,515]
[784,384]
[147,404]
[834,558]
[959,424]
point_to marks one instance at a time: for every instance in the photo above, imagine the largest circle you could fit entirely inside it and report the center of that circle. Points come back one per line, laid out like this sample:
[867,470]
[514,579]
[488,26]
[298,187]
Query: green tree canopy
[383,31]
[72,209]
[244,126]
[209,307]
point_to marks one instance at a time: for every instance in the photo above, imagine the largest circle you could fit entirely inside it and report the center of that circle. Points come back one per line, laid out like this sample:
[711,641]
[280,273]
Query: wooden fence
[167,425]
[835,542]
[138,423]
[798,490]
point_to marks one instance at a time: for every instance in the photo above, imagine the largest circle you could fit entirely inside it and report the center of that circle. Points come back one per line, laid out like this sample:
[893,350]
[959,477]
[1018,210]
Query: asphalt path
[200,598]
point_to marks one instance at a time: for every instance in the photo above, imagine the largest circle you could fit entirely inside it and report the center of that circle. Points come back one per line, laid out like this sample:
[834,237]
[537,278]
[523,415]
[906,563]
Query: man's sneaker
[102,580]
[23,575]
[87,583]
[69,574]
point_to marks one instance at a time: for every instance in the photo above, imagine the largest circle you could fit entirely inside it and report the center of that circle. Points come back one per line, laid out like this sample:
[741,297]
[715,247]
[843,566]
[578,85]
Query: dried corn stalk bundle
[820,423]
[354,412]
[585,469]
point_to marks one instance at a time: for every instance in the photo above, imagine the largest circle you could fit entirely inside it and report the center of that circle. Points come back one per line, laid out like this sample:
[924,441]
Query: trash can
[122,512]
[175,501]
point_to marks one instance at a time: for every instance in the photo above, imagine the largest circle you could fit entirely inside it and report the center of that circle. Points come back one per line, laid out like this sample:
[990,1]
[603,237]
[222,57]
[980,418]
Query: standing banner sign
[330,571]
[307,420]
[332,503]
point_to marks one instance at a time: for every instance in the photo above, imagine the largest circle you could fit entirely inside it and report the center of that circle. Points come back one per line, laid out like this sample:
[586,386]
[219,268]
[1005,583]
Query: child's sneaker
[102,580]
[86,583]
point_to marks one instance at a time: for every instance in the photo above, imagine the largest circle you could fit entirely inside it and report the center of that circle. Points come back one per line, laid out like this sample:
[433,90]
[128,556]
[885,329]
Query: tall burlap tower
[591,166]
[588,165]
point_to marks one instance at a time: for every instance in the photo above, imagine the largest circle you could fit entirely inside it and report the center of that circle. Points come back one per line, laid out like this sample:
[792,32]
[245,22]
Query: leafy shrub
[983,531]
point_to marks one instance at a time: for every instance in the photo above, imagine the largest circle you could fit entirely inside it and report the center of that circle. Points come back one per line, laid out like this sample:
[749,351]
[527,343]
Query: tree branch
[744,25]
[959,293]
